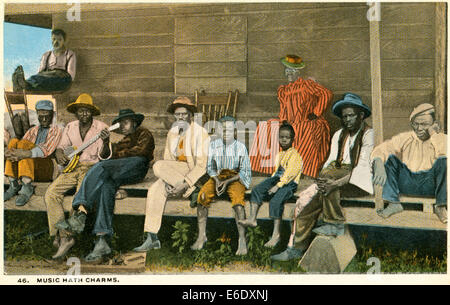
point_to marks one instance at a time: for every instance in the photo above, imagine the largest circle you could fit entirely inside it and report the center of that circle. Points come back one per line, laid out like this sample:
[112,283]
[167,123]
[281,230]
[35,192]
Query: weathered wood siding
[142,57]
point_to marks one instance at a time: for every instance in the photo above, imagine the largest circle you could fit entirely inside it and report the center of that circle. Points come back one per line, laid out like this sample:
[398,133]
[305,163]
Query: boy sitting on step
[280,187]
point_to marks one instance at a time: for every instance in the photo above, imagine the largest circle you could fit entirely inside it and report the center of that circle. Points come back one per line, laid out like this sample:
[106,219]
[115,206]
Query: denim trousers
[401,180]
[277,200]
[101,183]
[49,81]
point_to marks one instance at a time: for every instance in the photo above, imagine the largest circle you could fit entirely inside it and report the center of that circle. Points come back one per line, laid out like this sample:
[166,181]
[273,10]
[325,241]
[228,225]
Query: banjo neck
[91,141]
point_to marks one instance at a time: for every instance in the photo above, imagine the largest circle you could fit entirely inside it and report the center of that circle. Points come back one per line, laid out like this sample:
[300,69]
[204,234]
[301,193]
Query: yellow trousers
[38,169]
[54,196]
[235,190]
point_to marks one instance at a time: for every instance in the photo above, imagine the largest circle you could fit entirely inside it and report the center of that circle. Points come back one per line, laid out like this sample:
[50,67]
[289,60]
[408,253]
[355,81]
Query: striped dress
[302,104]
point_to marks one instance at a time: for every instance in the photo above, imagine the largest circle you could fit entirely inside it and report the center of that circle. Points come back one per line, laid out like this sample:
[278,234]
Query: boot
[13,189]
[151,242]
[101,249]
[239,214]
[251,220]
[25,194]
[275,234]
[287,255]
[202,217]
[392,208]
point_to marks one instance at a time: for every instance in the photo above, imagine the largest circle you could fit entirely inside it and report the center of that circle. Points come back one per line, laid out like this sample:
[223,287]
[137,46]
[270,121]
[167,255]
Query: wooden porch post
[375,72]
[440,64]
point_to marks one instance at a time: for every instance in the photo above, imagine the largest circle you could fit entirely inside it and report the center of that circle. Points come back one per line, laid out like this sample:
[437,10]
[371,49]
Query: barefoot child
[280,187]
[229,168]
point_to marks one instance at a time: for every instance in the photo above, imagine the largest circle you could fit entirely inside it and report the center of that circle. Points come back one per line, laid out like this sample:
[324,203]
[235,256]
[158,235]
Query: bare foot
[272,242]
[248,223]
[199,243]
[242,247]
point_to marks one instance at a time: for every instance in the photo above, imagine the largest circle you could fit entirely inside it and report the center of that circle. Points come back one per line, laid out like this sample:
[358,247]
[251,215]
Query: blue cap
[44,105]
[350,99]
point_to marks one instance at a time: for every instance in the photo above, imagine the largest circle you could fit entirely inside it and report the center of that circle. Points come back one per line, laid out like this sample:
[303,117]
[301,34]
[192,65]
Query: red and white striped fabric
[52,140]
[302,104]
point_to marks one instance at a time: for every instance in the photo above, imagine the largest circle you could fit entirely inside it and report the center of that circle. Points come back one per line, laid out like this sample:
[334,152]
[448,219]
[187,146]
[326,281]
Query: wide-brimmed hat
[84,100]
[128,113]
[182,101]
[293,61]
[351,99]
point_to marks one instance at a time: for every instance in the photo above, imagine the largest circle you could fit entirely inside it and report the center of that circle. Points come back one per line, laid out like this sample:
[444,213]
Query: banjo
[74,153]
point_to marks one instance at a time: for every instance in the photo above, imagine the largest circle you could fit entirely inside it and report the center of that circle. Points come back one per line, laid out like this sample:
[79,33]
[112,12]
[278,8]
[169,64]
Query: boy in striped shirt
[280,187]
[229,168]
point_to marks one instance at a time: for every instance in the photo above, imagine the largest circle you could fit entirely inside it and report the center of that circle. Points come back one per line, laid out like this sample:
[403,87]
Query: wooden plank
[187,85]
[377,106]
[440,64]
[124,55]
[129,40]
[407,68]
[419,48]
[124,70]
[210,53]
[138,25]
[319,69]
[407,13]
[222,208]
[410,31]
[125,84]
[338,17]
[308,34]
[206,29]
[201,69]
[315,50]
[407,83]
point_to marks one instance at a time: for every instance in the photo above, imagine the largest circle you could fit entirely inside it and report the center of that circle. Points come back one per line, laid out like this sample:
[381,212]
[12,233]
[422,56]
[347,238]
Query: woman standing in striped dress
[302,104]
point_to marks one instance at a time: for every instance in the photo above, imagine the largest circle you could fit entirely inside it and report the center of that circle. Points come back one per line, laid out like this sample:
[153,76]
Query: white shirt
[361,175]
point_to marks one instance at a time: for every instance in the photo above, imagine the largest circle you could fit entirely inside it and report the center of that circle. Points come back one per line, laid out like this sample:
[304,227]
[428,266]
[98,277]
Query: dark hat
[128,113]
[351,99]
[182,101]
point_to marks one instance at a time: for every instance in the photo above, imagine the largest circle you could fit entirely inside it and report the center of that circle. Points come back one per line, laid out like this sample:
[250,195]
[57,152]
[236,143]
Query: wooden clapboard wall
[143,56]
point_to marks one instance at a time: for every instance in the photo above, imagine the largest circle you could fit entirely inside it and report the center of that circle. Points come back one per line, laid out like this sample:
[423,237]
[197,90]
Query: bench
[134,204]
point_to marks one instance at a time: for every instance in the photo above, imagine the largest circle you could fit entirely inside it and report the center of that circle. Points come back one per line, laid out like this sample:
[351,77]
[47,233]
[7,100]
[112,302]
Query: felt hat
[351,99]
[182,101]
[293,62]
[128,113]
[44,105]
[422,109]
[84,100]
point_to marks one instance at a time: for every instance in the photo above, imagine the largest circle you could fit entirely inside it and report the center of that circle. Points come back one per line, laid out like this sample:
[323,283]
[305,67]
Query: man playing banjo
[75,134]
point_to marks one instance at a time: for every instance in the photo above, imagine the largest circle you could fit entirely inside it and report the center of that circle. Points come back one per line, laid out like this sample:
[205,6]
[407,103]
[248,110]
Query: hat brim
[292,65]
[337,107]
[172,107]
[72,108]
[137,117]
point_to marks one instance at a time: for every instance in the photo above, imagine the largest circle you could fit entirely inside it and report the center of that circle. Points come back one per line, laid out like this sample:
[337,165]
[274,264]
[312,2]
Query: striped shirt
[46,148]
[233,156]
[292,163]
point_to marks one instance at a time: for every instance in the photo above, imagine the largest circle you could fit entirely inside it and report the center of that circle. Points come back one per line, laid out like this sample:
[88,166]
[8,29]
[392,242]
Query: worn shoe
[77,222]
[441,212]
[12,191]
[150,243]
[287,255]
[392,208]
[25,194]
[65,244]
[330,229]
[101,249]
